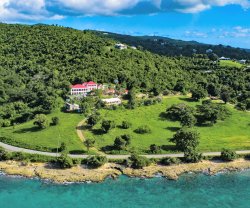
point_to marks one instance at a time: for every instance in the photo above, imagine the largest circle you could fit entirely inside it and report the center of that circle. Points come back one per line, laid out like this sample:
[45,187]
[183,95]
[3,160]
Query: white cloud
[96,7]
[11,10]
[195,6]
[15,10]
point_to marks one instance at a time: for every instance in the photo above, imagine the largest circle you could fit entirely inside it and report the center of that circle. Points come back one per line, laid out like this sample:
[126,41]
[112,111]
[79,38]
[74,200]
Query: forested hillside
[171,47]
[38,63]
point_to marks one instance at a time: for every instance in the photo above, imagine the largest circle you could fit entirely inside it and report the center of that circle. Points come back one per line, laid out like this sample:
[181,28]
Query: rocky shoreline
[77,174]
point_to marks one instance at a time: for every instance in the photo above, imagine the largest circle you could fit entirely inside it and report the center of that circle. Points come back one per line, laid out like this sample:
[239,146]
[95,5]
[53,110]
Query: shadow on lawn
[107,148]
[97,131]
[163,116]
[187,99]
[169,147]
[26,130]
[172,128]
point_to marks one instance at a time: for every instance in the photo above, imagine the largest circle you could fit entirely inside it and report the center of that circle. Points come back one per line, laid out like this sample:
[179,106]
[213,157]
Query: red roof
[83,85]
[90,83]
[78,86]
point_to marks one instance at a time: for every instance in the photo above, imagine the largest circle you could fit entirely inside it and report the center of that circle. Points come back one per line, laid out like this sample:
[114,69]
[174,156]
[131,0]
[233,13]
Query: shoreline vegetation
[81,173]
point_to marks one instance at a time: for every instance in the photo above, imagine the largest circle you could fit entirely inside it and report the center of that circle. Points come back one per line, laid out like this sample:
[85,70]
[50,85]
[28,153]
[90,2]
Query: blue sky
[209,21]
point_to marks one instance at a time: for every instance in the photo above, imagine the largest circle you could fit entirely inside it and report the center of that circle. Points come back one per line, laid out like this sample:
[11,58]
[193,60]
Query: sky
[209,21]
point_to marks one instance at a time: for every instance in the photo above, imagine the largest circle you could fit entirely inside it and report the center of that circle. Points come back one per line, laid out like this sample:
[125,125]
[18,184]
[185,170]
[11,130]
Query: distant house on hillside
[224,58]
[120,46]
[112,101]
[84,88]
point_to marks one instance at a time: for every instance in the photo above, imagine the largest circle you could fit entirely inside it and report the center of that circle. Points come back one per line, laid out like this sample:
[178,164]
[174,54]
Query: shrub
[55,121]
[6,123]
[65,161]
[121,142]
[158,100]
[77,161]
[96,161]
[3,154]
[143,130]
[170,161]
[186,139]
[41,121]
[148,102]
[188,120]
[155,148]
[107,125]
[191,156]
[126,125]
[211,113]
[18,156]
[228,155]
[199,93]
[93,119]
[166,92]
[241,106]
[89,143]
[138,162]
[62,147]
[177,111]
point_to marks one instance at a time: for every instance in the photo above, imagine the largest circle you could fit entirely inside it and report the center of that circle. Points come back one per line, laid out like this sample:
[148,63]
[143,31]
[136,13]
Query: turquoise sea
[190,191]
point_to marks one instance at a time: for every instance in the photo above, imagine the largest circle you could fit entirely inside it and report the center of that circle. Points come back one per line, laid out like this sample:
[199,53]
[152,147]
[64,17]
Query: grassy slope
[233,133]
[65,132]
[229,63]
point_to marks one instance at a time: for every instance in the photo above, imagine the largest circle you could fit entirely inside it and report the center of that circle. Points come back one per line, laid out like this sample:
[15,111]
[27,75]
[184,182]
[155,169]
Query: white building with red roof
[84,88]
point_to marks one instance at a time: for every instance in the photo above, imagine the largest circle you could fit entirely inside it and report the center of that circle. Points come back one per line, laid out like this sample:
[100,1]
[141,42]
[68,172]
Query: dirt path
[79,129]
[79,132]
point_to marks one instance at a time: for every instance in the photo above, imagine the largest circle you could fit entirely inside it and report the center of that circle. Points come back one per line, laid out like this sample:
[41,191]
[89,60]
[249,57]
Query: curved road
[18,149]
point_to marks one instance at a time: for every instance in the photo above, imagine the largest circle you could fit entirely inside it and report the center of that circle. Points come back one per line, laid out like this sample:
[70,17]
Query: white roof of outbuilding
[110,100]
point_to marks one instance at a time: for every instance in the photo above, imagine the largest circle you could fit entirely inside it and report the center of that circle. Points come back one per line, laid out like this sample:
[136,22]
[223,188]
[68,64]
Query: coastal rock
[48,171]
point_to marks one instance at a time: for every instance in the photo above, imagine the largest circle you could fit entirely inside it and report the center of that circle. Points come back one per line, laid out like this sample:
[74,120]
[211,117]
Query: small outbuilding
[112,101]
[72,107]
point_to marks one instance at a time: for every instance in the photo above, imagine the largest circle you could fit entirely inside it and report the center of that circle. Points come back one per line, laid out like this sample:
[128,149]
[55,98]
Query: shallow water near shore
[191,190]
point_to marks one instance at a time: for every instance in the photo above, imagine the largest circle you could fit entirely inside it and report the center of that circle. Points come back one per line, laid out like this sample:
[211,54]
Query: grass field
[234,133]
[27,135]
[229,63]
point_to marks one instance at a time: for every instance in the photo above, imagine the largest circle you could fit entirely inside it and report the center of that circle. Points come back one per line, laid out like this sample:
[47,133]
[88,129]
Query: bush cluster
[96,161]
[145,129]
[228,155]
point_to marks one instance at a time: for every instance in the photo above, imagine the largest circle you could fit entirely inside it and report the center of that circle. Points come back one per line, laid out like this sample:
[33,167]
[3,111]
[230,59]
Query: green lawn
[234,133]
[229,63]
[27,135]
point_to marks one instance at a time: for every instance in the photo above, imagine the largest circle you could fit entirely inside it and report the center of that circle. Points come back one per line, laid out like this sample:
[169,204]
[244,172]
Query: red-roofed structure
[84,88]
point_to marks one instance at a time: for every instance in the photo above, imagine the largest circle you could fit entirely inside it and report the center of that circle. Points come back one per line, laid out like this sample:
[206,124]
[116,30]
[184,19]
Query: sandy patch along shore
[83,174]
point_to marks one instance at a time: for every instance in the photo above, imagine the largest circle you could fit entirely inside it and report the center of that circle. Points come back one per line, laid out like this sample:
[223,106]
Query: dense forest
[39,63]
[171,47]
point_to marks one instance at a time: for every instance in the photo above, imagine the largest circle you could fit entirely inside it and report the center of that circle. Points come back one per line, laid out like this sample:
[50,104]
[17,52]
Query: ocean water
[190,191]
